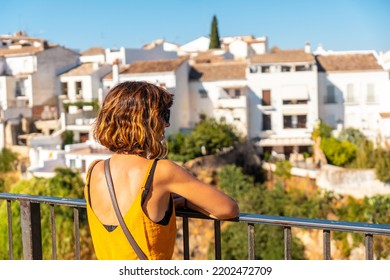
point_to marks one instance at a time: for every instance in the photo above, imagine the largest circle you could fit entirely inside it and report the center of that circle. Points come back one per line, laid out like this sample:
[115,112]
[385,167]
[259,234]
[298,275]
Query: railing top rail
[73,202]
[315,223]
[243,217]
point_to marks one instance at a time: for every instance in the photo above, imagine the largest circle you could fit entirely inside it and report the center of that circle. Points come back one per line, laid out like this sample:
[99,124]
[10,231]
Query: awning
[295,92]
[295,111]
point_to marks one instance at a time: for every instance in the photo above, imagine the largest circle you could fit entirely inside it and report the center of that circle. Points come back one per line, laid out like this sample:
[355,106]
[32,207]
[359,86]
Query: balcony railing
[32,238]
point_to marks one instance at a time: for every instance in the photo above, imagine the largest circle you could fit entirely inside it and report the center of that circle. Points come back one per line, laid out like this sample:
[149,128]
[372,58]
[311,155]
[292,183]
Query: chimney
[307,47]
[115,72]
[95,65]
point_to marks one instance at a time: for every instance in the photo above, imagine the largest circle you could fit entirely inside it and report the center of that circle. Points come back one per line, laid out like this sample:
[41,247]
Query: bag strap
[129,237]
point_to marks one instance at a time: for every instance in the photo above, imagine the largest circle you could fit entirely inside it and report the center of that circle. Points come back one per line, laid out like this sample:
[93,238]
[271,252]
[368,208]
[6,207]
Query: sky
[339,25]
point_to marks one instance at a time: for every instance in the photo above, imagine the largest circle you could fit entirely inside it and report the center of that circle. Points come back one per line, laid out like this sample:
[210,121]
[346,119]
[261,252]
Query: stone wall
[358,183]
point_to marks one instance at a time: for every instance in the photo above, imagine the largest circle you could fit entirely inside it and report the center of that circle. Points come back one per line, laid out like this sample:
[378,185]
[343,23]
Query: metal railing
[32,238]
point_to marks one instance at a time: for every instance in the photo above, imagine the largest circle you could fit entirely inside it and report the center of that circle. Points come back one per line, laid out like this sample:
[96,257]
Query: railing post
[217,239]
[326,244]
[30,215]
[186,239]
[10,233]
[251,241]
[287,243]
[76,231]
[369,246]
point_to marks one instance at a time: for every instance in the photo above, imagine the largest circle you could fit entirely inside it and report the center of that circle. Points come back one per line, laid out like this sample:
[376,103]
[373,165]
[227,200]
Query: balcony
[232,103]
[30,217]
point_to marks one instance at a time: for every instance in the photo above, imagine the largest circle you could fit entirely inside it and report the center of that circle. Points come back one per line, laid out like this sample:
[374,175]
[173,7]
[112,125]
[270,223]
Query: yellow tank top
[155,240]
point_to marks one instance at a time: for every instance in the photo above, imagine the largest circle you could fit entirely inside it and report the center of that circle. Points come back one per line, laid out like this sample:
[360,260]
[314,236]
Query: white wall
[129,55]
[239,49]
[51,62]
[359,114]
[217,104]
[21,64]
[198,45]
[277,82]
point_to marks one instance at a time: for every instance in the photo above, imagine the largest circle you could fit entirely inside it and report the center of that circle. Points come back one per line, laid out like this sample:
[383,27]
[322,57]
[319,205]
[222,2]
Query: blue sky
[336,24]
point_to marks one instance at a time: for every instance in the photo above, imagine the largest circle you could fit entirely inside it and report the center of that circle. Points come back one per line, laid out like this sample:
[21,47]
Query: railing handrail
[333,225]
[32,238]
[72,202]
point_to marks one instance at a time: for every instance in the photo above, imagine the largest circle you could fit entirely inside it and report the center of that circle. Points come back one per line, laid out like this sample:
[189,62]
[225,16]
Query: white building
[81,95]
[128,55]
[353,91]
[239,47]
[28,80]
[242,47]
[219,90]
[283,100]
[171,74]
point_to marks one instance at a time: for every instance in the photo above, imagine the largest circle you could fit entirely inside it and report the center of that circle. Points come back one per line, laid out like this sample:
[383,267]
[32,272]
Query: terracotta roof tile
[280,56]
[27,50]
[93,51]
[81,70]
[231,70]
[385,115]
[163,65]
[208,56]
[348,62]
[122,68]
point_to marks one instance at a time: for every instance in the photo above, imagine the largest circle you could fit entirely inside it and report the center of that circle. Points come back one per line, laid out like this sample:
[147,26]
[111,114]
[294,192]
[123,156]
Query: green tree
[322,130]
[382,165]
[283,171]
[208,137]
[339,153]
[365,155]
[8,160]
[215,42]
[65,183]
[366,210]
[253,198]
[353,135]
[67,138]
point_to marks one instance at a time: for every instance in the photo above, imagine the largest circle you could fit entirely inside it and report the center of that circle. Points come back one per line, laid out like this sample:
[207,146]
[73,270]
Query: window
[266,122]
[302,119]
[294,102]
[253,69]
[286,68]
[203,93]
[287,122]
[330,95]
[266,97]
[64,88]
[265,69]
[294,121]
[233,92]
[21,87]
[350,98]
[370,94]
[300,68]
[79,88]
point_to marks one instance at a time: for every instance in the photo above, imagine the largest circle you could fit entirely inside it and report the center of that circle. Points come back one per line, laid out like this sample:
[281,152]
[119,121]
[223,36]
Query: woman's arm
[201,197]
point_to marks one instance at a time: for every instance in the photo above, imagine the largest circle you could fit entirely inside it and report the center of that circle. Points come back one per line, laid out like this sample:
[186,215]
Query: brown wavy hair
[131,120]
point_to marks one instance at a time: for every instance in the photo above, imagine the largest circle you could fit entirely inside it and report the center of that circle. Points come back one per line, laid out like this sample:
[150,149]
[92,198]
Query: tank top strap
[148,179]
[88,178]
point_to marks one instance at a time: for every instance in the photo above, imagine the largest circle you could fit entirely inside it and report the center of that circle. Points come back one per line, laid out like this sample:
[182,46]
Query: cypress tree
[214,36]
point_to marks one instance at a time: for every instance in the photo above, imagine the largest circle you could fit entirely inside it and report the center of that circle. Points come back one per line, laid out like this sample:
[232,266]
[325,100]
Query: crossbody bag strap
[129,237]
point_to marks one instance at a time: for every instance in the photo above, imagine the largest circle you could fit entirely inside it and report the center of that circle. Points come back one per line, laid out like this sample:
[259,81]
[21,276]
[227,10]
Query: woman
[131,124]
